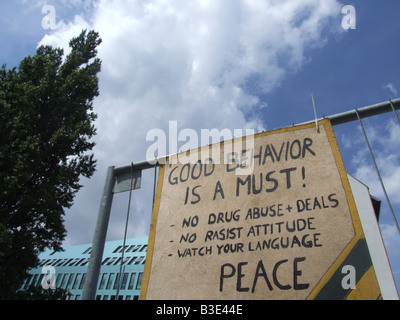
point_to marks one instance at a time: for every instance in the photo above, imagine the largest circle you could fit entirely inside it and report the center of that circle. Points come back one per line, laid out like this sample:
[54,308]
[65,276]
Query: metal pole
[99,239]
[144,165]
[364,112]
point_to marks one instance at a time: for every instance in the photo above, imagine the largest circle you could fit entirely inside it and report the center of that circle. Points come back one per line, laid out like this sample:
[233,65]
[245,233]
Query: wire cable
[125,233]
[377,171]
[394,110]
[315,113]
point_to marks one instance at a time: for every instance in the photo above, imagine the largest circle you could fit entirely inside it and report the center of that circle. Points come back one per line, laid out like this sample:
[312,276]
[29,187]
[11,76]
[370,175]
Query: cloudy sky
[223,64]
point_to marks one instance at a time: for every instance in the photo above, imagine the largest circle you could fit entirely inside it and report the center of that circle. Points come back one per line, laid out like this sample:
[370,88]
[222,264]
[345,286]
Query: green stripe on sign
[360,259]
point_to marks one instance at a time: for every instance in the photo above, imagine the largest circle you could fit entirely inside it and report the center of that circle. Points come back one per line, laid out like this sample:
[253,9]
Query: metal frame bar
[365,112]
[99,238]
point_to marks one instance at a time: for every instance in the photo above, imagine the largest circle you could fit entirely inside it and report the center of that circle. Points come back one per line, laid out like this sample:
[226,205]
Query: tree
[46,126]
[38,293]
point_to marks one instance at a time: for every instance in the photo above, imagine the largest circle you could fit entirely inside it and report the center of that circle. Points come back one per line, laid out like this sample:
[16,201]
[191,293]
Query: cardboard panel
[280,228]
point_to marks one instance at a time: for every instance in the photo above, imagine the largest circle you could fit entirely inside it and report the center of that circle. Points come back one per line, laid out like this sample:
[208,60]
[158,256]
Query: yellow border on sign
[152,235]
[359,234]
[367,288]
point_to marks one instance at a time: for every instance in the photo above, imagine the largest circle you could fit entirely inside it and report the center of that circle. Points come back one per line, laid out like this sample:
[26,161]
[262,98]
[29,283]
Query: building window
[76,282]
[139,260]
[134,248]
[64,280]
[143,248]
[103,281]
[132,281]
[124,281]
[87,251]
[116,250]
[66,263]
[59,277]
[125,260]
[78,262]
[139,281]
[40,279]
[132,260]
[117,261]
[72,261]
[110,281]
[84,262]
[70,281]
[82,281]
[111,260]
[43,263]
[59,261]
[116,282]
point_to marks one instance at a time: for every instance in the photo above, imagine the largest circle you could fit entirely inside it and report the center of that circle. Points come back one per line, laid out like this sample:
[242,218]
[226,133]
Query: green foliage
[46,123]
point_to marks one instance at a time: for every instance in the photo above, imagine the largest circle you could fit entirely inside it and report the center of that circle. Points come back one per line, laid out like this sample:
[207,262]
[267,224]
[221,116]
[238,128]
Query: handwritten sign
[271,233]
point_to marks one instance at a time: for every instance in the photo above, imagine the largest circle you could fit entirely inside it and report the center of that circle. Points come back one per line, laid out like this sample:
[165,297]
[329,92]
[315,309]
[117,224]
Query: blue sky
[224,64]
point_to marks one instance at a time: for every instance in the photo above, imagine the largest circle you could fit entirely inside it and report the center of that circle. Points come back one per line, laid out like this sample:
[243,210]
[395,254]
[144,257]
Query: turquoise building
[70,268]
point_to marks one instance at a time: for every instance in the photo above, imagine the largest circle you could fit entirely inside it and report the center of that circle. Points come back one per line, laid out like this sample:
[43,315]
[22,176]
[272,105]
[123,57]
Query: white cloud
[201,63]
[384,137]
[65,32]
[385,143]
[392,89]
[391,238]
